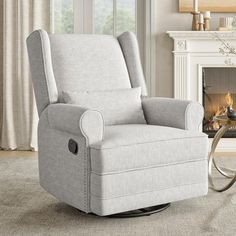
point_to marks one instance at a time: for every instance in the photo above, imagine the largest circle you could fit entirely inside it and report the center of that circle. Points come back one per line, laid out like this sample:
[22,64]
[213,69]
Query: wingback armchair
[107,168]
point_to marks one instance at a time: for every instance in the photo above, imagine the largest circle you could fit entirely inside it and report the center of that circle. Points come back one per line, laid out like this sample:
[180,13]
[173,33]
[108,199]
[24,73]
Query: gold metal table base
[228,173]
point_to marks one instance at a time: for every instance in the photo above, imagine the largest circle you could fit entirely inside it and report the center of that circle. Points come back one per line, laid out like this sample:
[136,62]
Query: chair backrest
[82,63]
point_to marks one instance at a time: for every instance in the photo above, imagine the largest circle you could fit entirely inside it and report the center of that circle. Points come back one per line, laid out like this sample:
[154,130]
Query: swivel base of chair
[141,212]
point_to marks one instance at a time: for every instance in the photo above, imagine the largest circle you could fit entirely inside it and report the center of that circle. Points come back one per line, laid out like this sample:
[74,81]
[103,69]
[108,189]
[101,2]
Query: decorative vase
[231,114]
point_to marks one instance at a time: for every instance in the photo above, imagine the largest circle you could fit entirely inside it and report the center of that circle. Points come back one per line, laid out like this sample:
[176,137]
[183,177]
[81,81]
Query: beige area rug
[26,209]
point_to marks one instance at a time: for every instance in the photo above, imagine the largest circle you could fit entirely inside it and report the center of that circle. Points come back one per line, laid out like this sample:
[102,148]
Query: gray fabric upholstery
[41,69]
[64,175]
[129,162]
[146,199]
[115,185]
[76,120]
[121,106]
[174,113]
[133,147]
[131,53]
[120,167]
[88,62]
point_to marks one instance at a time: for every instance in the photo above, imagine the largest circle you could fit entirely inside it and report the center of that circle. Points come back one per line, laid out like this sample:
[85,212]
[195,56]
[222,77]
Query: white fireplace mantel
[196,41]
[201,34]
[194,50]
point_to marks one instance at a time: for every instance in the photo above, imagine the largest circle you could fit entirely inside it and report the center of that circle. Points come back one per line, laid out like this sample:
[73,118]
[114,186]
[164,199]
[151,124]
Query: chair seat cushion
[133,147]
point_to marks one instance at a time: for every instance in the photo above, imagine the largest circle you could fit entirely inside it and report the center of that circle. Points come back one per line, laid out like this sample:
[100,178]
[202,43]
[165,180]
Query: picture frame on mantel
[209,5]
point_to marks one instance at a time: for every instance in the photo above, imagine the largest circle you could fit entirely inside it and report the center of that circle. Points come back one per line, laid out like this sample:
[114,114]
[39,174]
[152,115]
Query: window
[108,16]
[62,16]
[114,16]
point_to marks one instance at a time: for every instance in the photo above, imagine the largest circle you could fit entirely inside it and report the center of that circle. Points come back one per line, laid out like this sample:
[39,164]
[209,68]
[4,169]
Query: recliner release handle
[73,146]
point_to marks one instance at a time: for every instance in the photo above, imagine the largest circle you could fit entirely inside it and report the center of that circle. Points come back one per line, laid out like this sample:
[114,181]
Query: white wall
[168,18]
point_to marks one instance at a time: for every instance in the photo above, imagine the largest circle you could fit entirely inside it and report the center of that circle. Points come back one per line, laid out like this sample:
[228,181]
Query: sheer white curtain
[19,114]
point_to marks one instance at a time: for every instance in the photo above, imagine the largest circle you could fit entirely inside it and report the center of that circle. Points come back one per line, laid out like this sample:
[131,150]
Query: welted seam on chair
[186,123]
[148,167]
[151,191]
[80,123]
[186,116]
[156,141]
[44,66]
[86,180]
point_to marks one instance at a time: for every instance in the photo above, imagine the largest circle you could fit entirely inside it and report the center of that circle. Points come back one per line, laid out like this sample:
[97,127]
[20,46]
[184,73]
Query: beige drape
[19,114]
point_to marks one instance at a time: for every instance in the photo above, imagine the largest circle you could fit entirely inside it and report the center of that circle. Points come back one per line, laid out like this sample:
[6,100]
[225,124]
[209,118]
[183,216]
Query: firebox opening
[219,92]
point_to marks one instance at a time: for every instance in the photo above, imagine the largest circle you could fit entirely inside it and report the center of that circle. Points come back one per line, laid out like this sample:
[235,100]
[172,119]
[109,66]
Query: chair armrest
[175,113]
[76,120]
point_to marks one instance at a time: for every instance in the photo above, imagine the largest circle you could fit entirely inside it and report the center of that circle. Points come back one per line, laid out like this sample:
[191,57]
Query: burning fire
[221,110]
[229,100]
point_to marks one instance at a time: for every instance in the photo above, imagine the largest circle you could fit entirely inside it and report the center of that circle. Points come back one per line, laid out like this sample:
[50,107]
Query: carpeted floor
[26,209]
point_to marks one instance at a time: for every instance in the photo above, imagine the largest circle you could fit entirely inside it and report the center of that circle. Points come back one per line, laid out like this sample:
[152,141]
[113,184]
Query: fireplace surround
[195,52]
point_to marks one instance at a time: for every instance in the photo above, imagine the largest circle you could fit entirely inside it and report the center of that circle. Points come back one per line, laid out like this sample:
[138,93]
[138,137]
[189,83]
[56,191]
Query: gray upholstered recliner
[108,169]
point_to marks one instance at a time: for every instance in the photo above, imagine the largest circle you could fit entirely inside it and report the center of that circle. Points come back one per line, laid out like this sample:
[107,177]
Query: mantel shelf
[202,34]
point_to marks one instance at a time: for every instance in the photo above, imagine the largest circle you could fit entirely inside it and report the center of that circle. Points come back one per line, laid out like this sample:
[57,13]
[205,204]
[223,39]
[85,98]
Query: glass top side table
[228,173]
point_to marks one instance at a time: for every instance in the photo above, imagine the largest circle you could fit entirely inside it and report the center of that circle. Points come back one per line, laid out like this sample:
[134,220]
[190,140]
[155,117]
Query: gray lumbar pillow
[117,106]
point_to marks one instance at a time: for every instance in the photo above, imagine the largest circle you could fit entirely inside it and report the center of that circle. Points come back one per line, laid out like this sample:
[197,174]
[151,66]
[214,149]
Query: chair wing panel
[130,48]
[41,69]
